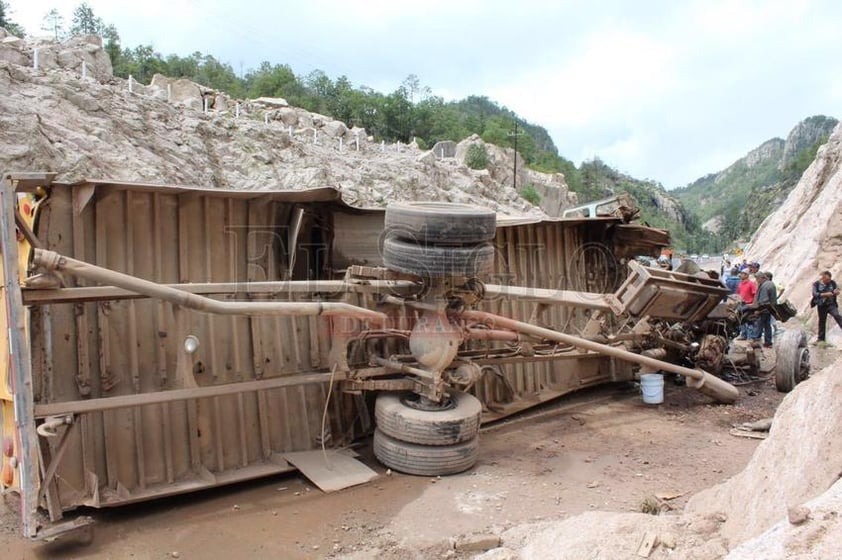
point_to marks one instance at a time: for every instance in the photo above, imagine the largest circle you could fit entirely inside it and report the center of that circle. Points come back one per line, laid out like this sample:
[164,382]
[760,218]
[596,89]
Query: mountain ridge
[733,202]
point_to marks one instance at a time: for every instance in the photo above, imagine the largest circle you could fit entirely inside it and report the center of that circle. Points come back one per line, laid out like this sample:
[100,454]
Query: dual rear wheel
[416,437]
[435,240]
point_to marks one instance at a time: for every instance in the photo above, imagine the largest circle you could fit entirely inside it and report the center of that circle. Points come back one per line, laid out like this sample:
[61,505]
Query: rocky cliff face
[175,131]
[804,236]
[771,151]
[804,135]
[735,200]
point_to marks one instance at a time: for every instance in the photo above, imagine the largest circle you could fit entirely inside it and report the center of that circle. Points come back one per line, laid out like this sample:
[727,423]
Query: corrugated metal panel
[563,255]
[132,347]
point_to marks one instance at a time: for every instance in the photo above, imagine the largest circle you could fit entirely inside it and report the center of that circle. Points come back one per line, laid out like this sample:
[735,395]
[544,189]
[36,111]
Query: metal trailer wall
[125,348]
[561,255]
[130,347]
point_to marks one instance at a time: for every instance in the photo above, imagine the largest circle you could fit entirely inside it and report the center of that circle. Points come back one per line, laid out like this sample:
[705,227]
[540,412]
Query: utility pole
[515,134]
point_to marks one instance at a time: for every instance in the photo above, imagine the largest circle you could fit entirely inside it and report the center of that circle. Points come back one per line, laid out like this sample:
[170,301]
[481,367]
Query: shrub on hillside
[530,195]
[476,157]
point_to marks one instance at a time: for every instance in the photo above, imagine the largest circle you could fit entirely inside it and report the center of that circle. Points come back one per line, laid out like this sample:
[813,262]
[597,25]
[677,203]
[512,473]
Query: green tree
[397,115]
[530,195]
[6,20]
[53,22]
[112,44]
[84,22]
[276,80]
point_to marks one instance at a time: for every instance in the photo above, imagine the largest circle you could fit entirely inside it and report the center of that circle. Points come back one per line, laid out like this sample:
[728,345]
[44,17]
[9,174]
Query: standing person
[825,291]
[733,280]
[767,296]
[747,290]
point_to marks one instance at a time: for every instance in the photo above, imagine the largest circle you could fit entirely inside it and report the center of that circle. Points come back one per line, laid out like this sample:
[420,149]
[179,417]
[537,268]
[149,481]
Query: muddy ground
[601,449]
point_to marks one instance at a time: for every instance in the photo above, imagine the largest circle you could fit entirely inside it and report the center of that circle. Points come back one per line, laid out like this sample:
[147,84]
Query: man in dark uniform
[767,296]
[825,291]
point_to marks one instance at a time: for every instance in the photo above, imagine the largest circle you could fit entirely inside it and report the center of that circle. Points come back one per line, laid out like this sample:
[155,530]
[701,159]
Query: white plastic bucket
[652,387]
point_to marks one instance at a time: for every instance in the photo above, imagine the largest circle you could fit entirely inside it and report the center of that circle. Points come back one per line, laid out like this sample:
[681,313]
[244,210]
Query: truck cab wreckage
[166,339]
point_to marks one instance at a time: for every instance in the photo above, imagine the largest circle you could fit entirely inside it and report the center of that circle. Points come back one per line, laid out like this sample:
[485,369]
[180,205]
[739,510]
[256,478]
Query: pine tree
[53,23]
[84,21]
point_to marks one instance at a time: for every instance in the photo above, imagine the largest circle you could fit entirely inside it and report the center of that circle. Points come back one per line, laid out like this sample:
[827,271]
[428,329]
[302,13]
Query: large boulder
[220,102]
[356,133]
[427,158]
[335,129]
[11,51]
[183,90]
[305,120]
[288,116]
[320,120]
[445,149]
[87,49]
[799,461]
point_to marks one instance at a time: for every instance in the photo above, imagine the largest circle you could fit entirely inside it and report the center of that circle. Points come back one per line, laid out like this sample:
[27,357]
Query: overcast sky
[665,90]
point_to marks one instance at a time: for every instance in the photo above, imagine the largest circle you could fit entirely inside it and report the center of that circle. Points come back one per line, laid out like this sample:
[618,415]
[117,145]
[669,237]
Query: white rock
[271,101]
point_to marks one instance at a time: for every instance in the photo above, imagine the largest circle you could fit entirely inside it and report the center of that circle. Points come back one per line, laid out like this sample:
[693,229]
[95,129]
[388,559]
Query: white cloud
[609,74]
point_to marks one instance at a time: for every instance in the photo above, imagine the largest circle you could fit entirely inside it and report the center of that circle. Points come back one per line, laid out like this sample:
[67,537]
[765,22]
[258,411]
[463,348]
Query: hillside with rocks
[178,132]
[734,201]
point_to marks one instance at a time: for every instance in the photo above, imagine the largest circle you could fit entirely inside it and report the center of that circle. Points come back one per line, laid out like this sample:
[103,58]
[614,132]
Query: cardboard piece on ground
[331,470]
[646,545]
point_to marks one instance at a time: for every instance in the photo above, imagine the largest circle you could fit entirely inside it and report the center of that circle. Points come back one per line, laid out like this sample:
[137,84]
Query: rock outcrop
[804,235]
[176,131]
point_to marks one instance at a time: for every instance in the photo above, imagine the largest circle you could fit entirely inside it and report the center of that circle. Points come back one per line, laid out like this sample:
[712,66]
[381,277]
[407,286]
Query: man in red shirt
[747,290]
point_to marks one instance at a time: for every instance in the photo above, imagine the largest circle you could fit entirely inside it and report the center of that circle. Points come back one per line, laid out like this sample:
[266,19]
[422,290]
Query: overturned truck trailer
[166,339]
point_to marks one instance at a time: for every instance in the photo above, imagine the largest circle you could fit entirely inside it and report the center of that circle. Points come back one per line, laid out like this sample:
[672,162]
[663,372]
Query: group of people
[757,292]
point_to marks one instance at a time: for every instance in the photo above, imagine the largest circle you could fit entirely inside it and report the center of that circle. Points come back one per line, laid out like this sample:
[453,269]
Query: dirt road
[603,449]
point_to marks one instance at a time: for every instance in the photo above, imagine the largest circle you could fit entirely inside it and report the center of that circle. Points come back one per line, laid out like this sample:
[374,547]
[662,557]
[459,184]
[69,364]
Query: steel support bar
[403,368]
[708,384]
[568,298]
[34,296]
[143,399]
[51,260]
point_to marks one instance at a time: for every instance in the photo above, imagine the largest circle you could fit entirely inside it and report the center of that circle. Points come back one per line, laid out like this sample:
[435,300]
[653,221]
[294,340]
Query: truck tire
[430,261]
[398,418]
[425,460]
[440,222]
[793,360]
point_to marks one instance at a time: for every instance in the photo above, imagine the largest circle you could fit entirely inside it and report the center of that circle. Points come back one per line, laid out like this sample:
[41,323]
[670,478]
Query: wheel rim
[422,403]
[803,364]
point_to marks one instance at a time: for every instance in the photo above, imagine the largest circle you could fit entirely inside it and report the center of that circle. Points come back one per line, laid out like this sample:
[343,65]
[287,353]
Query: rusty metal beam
[33,296]
[51,260]
[143,399]
[703,381]
[586,300]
